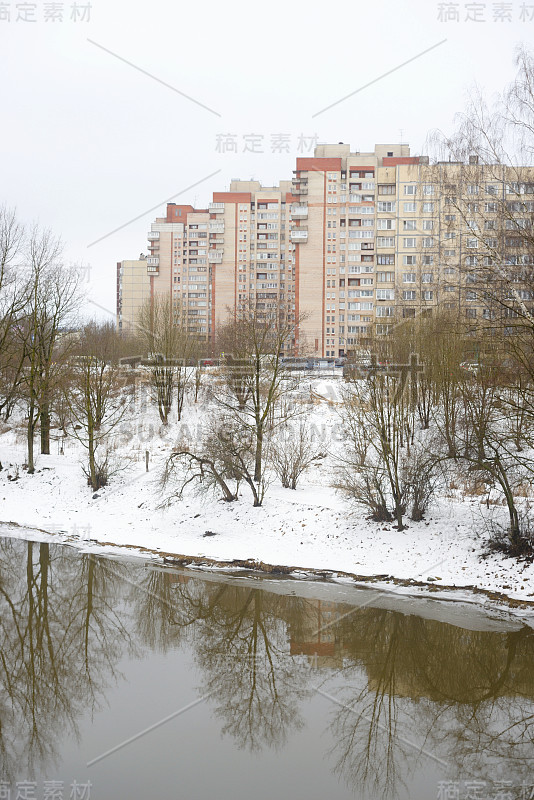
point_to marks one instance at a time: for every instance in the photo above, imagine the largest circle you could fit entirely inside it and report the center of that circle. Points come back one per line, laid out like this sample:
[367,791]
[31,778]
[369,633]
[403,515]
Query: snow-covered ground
[311,528]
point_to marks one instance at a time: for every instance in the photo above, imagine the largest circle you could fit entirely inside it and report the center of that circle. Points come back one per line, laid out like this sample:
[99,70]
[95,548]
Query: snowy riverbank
[310,529]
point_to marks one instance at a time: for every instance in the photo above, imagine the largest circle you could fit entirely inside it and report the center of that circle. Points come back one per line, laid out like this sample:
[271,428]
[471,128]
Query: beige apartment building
[354,244]
[133,291]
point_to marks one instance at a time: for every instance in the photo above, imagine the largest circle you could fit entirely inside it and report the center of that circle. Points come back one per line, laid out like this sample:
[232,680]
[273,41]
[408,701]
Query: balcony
[299,235]
[216,208]
[152,236]
[152,270]
[299,211]
[215,256]
[216,227]
[216,239]
[152,261]
[299,187]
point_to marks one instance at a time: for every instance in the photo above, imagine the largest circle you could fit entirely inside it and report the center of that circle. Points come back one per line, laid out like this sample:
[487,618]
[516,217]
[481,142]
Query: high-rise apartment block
[353,244]
[133,291]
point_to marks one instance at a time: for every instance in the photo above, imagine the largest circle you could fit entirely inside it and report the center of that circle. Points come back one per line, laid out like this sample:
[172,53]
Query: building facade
[352,245]
[133,291]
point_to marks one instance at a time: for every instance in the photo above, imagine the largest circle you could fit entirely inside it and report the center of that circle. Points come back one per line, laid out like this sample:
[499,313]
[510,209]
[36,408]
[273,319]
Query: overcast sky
[90,142]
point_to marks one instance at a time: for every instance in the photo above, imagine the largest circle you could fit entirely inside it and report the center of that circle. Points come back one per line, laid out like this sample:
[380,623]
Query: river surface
[122,679]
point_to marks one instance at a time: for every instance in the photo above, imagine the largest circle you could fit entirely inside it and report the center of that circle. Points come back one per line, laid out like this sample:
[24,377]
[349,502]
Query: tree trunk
[92,462]
[30,435]
[259,449]
[45,429]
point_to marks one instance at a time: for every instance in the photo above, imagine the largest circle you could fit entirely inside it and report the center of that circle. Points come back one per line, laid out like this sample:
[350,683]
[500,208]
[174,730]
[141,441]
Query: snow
[310,530]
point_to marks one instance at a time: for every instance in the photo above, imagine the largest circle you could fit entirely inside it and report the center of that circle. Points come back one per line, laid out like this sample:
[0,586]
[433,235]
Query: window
[450,217]
[428,208]
[490,207]
[409,261]
[386,188]
[408,225]
[428,241]
[384,206]
[410,189]
[428,189]
[409,295]
[490,225]
[428,261]
[385,241]
[384,277]
[408,313]
[428,224]
[470,295]
[471,261]
[410,242]
[492,188]
[385,224]
[427,277]
[385,259]
[408,277]
[385,311]
[449,253]
[428,295]
[385,294]
[471,242]
[472,188]
[409,207]
[470,312]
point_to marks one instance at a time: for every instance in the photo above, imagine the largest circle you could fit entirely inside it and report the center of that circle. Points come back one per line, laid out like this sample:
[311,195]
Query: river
[126,679]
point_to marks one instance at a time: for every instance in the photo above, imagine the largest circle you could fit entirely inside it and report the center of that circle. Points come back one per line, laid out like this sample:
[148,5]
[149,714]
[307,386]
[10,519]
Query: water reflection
[61,635]
[433,691]
[404,695]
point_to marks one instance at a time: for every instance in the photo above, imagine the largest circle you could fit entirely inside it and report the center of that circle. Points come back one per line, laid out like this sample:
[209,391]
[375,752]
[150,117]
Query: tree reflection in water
[61,636]
[241,649]
[405,684]
[428,691]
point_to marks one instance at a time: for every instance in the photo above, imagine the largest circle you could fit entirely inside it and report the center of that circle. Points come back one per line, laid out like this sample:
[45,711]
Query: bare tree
[13,298]
[170,351]
[293,451]
[96,398]
[384,466]
[489,188]
[221,460]
[255,381]
[53,297]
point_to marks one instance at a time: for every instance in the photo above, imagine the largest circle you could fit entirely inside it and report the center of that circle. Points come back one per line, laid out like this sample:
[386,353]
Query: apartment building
[250,250]
[354,244]
[133,291]
[179,265]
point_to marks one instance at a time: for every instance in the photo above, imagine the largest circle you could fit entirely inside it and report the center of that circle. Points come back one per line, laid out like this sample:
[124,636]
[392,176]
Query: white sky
[90,143]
